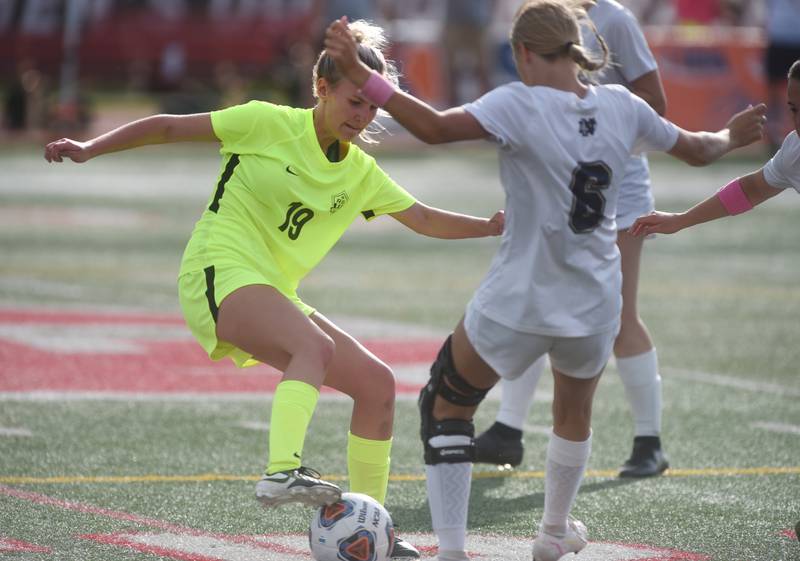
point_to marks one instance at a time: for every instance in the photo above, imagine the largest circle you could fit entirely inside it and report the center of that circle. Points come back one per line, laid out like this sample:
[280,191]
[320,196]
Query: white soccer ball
[355,528]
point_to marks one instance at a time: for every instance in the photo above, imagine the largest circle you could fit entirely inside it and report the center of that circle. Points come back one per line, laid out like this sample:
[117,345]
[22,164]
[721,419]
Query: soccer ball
[355,528]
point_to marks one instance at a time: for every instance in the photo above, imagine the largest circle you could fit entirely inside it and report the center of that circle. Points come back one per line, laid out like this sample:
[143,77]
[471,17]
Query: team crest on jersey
[338,201]
[587,126]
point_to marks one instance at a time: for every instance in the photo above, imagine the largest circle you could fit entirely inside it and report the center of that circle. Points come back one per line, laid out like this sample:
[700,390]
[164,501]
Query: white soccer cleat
[301,485]
[551,548]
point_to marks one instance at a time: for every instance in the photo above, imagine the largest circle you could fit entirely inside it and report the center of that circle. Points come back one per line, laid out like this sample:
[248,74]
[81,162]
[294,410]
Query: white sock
[448,496]
[639,374]
[518,396]
[566,463]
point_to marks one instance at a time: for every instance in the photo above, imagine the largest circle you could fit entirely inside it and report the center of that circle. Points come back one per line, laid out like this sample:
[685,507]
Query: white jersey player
[634,67]
[554,286]
[782,172]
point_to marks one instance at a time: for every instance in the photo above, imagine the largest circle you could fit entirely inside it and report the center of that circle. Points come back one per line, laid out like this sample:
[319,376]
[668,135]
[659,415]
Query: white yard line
[777,427]
[732,382]
[254,425]
[9,431]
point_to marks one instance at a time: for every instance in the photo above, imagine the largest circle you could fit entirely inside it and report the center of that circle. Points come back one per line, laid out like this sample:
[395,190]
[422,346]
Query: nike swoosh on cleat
[289,170]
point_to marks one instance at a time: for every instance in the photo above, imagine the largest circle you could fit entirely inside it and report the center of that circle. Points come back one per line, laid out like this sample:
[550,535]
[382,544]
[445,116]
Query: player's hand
[747,126]
[657,223]
[497,223]
[342,47]
[76,151]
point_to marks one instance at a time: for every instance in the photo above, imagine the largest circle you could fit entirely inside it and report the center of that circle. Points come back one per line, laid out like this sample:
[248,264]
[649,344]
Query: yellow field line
[206,477]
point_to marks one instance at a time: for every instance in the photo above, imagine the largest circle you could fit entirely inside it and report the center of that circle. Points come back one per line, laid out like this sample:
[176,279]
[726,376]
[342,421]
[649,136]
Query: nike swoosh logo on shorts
[289,170]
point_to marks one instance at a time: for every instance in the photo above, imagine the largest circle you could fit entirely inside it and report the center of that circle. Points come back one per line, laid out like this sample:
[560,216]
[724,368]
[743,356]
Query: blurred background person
[466,48]
[782,49]
[24,98]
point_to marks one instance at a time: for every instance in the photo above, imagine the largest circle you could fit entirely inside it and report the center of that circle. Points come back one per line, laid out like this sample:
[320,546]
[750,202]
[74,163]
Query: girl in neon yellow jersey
[290,184]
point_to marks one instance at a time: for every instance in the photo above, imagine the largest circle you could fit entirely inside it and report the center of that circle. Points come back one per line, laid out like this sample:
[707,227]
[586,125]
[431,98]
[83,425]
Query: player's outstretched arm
[703,148]
[438,223]
[158,129]
[735,198]
[419,118]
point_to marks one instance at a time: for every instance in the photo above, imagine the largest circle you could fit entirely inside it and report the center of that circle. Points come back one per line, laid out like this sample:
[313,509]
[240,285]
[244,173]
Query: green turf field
[722,302]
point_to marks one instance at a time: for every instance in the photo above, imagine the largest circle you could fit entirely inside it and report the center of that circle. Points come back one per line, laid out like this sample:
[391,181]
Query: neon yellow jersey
[279,205]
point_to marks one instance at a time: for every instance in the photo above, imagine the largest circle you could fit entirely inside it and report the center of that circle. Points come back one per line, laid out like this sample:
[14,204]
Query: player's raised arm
[158,129]
[438,223]
[737,197]
[419,118]
[703,148]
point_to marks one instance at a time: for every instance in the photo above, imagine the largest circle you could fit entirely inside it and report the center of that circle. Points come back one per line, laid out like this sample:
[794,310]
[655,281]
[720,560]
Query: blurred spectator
[783,48]
[330,10]
[652,12]
[697,12]
[23,106]
[746,13]
[232,87]
[466,48]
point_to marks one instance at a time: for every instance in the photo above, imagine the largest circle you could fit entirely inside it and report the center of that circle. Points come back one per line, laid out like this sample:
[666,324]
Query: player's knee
[320,348]
[380,386]
[447,440]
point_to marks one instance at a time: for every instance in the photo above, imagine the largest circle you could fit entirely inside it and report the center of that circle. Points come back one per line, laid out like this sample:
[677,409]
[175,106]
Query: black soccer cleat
[402,550]
[500,444]
[647,459]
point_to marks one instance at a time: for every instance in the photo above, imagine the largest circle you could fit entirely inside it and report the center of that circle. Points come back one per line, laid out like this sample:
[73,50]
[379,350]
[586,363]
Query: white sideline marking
[254,425]
[481,547]
[777,427]
[8,431]
[91,338]
[732,382]
[537,429]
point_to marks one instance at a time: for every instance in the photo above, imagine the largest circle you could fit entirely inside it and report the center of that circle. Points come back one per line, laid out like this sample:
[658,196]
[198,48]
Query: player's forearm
[157,129]
[752,187]
[706,211]
[710,146]
[437,223]
[418,118]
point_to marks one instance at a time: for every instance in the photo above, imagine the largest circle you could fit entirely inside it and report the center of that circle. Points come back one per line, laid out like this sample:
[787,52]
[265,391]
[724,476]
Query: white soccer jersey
[562,158]
[631,58]
[783,170]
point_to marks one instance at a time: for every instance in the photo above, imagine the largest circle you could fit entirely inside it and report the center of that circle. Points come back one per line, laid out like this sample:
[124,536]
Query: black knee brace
[448,384]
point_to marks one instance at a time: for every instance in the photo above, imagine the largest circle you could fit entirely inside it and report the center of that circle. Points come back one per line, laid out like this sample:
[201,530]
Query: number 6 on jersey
[588,182]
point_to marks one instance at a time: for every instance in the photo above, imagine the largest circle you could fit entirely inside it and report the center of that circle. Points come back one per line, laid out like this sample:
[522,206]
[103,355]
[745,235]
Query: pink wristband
[377,90]
[733,198]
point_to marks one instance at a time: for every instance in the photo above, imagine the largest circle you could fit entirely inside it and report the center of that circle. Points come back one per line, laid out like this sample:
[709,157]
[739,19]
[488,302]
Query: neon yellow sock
[292,408]
[368,466]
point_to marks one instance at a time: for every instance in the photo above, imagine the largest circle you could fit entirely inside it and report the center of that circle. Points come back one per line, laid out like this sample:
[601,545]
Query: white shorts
[635,195]
[510,352]
[633,202]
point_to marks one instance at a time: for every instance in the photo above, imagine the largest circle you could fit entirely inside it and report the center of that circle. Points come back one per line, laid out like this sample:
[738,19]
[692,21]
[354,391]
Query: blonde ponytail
[552,28]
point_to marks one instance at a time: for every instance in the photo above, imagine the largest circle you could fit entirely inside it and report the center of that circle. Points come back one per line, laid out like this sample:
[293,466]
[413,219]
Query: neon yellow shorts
[201,293]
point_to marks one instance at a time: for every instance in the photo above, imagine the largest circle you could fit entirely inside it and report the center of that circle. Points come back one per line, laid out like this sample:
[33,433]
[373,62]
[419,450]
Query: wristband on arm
[377,89]
[733,198]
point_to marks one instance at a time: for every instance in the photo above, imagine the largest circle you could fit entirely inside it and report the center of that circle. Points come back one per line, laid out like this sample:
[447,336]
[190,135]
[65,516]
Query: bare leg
[637,363]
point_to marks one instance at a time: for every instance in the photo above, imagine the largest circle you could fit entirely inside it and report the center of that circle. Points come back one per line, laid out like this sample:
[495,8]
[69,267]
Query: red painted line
[143,520]
[789,533]
[162,366]
[113,539]
[18,316]
[18,546]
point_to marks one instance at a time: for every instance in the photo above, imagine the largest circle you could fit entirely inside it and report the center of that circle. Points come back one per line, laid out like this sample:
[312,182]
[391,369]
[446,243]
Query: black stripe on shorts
[226,176]
[212,301]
